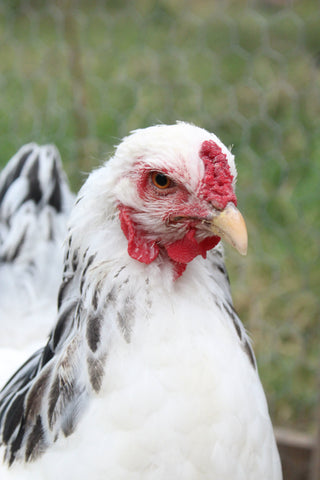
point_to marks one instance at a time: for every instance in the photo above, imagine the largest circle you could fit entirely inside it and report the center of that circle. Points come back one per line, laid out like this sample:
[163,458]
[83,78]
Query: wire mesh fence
[83,74]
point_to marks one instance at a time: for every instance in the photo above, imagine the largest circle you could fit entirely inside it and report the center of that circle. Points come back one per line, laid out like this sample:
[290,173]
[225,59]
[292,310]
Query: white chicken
[148,373]
[35,202]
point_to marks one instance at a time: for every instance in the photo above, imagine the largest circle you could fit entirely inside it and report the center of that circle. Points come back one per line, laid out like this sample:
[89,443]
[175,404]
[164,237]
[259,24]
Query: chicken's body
[149,373]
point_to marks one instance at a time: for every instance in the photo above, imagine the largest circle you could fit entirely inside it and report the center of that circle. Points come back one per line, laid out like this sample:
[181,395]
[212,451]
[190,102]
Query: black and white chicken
[35,202]
[148,373]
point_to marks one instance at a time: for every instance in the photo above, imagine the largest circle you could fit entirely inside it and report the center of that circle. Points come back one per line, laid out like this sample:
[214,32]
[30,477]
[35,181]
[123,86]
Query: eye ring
[161,180]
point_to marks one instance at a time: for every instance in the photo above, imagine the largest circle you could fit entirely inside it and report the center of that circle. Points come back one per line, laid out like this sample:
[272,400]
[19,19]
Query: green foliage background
[83,74]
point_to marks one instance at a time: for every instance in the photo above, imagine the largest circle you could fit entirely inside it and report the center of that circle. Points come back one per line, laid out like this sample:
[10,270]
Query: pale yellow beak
[230,226]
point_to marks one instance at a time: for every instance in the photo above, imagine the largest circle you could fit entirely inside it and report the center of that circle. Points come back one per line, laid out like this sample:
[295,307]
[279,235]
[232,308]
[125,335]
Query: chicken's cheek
[138,247]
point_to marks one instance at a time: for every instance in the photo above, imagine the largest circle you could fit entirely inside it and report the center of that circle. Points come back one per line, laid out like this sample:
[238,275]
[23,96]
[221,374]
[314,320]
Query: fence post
[77,78]
[315,467]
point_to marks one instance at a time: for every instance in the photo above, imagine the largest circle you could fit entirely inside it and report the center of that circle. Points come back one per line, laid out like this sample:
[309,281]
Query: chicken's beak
[230,226]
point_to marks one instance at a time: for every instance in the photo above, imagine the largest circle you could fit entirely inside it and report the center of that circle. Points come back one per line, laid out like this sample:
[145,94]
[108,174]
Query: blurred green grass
[249,71]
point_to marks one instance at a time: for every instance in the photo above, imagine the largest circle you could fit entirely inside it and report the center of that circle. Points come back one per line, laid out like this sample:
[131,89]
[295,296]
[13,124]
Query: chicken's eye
[160,180]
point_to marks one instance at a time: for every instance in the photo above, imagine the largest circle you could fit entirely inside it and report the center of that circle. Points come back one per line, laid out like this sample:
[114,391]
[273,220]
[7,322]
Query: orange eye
[160,180]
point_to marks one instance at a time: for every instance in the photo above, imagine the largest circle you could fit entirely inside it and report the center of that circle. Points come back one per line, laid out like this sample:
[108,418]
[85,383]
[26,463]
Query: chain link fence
[83,74]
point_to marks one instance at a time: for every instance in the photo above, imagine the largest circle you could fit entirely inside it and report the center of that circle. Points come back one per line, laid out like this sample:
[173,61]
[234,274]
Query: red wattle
[207,244]
[178,269]
[187,248]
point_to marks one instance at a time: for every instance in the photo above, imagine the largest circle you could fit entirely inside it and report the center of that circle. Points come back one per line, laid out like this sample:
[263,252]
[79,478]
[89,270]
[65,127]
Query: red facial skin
[216,189]
[139,247]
